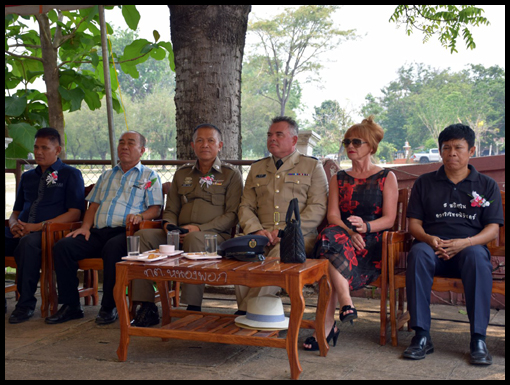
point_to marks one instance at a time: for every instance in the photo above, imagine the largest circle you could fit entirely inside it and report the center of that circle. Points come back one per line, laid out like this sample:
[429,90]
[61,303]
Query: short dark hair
[457,131]
[291,122]
[206,125]
[49,133]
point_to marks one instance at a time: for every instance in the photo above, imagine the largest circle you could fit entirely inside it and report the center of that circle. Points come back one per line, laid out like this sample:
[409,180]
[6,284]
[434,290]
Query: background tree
[65,42]
[293,42]
[259,106]
[448,22]
[208,43]
[330,122]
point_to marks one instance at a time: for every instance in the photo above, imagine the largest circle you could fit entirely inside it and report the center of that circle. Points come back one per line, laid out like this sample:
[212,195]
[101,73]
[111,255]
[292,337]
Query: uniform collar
[288,161]
[216,165]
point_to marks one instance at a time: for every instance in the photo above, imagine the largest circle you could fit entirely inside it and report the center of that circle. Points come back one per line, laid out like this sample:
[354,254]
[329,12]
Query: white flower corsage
[52,178]
[479,201]
[206,181]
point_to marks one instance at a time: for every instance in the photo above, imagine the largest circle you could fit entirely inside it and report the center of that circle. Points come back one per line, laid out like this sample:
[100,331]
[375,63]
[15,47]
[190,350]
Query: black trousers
[472,265]
[27,253]
[106,243]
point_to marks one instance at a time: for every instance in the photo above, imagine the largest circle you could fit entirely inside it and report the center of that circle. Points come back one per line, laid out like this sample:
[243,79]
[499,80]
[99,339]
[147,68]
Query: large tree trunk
[51,78]
[208,43]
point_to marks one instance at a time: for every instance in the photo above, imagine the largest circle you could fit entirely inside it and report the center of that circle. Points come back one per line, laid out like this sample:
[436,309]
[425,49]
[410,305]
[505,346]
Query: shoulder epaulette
[261,159]
[190,164]
[309,156]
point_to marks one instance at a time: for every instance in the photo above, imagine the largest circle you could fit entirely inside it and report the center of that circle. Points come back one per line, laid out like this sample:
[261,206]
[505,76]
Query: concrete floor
[82,350]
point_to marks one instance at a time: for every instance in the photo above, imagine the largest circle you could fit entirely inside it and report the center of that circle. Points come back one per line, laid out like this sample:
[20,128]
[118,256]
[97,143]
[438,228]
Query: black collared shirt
[448,210]
[42,196]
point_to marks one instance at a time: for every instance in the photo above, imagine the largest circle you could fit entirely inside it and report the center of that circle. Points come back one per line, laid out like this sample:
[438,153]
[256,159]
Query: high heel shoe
[315,345]
[350,316]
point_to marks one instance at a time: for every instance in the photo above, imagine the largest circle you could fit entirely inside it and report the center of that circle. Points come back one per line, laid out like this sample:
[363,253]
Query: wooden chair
[382,282]
[398,245]
[53,232]
[11,262]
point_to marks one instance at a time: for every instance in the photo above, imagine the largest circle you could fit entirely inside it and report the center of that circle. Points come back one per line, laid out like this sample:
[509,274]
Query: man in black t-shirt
[453,213]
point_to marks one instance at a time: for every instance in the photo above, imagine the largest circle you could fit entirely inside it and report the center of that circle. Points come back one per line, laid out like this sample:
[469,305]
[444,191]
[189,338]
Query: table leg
[297,309]
[119,293]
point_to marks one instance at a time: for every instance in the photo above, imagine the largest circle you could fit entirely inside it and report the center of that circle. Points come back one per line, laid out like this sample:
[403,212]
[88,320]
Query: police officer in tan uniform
[204,198]
[270,186]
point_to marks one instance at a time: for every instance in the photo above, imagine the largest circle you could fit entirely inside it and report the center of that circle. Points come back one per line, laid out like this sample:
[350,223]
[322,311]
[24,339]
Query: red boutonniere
[146,185]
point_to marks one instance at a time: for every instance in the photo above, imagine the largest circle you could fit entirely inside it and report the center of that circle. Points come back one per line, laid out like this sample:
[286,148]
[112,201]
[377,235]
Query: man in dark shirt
[453,213]
[52,192]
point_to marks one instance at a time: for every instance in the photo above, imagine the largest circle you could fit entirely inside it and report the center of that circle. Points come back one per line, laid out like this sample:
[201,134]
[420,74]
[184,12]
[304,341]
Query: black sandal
[315,345]
[350,316]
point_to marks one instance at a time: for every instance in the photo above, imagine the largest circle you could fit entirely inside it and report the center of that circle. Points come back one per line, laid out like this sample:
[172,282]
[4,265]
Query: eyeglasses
[355,142]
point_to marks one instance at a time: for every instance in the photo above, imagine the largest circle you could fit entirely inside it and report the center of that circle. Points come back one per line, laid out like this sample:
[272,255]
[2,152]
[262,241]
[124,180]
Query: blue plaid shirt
[119,194]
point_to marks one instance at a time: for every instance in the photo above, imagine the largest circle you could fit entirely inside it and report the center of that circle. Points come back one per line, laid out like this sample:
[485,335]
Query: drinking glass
[211,244]
[172,238]
[133,246]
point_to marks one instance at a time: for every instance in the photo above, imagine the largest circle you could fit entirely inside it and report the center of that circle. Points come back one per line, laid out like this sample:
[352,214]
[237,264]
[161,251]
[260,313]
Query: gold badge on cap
[252,243]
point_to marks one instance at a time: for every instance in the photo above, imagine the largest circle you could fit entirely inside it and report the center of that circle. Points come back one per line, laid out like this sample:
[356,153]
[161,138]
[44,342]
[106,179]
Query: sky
[366,65]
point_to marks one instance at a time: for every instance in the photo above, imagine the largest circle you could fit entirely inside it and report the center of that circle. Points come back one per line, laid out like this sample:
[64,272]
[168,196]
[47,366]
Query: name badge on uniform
[260,176]
[298,174]
[188,182]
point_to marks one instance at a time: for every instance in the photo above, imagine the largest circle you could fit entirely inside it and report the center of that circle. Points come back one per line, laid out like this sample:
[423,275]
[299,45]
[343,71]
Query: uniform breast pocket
[185,192]
[261,185]
[297,185]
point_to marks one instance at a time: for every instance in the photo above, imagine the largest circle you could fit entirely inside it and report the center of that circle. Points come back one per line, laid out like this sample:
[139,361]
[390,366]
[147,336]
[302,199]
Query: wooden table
[221,328]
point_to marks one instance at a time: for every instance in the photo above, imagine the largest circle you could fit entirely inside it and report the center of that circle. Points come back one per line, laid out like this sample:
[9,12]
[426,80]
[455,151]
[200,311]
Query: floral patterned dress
[363,198]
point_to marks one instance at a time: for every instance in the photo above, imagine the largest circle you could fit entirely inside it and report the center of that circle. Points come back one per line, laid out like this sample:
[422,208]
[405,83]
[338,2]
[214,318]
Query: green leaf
[131,16]
[156,36]
[23,135]
[75,96]
[15,105]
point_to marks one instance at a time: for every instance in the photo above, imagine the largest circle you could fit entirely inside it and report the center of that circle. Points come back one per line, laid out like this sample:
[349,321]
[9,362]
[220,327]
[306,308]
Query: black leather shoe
[20,315]
[479,353]
[146,316]
[420,346]
[106,316]
[66,313]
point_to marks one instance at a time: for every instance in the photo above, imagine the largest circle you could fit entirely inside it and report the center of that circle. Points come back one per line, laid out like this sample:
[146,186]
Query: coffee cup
[166,248]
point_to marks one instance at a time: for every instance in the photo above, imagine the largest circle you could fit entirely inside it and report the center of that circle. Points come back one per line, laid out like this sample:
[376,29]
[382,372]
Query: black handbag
[292,243]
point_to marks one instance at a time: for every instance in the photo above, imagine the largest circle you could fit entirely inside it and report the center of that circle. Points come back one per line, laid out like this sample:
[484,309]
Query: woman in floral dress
[362,204]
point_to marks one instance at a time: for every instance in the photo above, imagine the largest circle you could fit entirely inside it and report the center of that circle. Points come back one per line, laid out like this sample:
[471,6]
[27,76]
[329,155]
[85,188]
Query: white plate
[145,257]
[173,253]
[200,256]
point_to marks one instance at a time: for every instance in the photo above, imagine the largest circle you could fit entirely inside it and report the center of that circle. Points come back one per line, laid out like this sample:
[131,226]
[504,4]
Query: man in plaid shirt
[130,192]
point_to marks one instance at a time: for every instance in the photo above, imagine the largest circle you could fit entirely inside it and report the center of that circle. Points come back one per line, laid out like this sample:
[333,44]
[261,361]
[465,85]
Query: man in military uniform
[203,199]
[270,186]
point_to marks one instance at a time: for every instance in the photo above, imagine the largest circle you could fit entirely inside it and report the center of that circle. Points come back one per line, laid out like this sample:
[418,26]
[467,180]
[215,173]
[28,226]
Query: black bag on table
[292,243]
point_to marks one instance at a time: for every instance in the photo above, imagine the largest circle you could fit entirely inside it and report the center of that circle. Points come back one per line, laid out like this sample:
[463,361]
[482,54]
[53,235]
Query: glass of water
[172,238]
[133,246]
[211,244]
